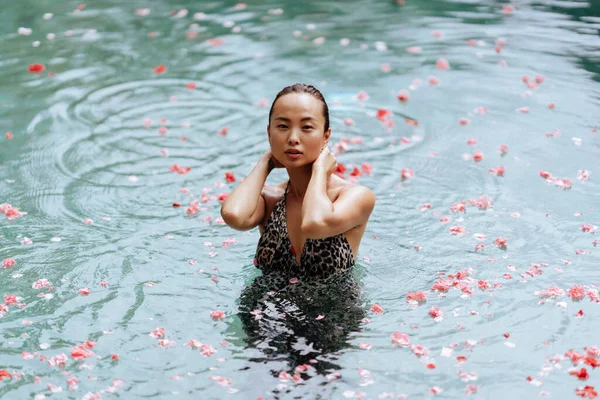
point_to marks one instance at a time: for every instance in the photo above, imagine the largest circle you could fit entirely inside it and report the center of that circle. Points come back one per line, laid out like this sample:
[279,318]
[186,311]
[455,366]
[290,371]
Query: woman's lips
[293,156]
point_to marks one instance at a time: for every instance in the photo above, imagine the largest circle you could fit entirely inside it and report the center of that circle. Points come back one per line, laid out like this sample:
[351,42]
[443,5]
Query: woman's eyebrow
[287,119]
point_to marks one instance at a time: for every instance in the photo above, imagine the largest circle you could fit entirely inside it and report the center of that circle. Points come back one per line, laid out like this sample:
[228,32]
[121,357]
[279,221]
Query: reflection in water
[283,320]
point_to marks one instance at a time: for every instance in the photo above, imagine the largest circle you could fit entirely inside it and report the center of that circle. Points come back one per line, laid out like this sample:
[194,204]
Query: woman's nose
[293,139]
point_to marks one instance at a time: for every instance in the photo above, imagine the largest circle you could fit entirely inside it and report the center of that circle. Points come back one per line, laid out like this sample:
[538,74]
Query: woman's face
[297,126]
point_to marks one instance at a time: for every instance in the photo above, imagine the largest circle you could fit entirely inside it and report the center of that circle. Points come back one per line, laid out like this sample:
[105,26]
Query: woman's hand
[325,162]
[273,162]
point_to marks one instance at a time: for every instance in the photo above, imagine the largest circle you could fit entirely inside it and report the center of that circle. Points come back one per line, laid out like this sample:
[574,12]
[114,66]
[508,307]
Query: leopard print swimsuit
[319,258]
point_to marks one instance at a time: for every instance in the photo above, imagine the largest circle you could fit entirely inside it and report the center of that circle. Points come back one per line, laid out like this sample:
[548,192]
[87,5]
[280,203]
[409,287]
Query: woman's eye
[307,127]
[282,126]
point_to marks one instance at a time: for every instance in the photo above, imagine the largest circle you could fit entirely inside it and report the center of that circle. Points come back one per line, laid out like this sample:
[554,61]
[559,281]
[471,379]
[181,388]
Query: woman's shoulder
[272,194]
[342,186]
[273,191]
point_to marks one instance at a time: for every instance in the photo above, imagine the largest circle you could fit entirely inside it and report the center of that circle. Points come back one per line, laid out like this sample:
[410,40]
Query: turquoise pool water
[459,106]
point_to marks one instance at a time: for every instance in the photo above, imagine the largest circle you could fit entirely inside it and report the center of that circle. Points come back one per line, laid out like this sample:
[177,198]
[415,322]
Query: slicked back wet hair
[303,88]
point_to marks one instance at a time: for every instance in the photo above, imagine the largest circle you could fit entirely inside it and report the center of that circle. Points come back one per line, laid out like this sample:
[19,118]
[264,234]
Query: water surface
[98,138]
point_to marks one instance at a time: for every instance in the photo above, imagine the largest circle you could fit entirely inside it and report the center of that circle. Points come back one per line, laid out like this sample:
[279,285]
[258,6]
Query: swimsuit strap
[284,206]
[279,211]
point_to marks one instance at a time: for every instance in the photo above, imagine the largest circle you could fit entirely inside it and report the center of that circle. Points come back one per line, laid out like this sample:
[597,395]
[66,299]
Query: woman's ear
[327,136]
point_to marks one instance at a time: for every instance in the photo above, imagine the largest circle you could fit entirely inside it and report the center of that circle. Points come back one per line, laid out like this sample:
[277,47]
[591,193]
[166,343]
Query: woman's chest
[294,229]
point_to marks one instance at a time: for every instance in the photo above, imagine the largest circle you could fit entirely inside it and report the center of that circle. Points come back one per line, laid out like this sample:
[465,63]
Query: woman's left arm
[322,218]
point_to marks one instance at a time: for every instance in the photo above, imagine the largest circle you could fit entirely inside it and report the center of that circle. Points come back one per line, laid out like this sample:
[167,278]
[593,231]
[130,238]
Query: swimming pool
[475,123]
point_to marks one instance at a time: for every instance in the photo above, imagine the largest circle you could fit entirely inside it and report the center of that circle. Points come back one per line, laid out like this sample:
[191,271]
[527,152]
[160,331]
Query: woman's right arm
[244,208]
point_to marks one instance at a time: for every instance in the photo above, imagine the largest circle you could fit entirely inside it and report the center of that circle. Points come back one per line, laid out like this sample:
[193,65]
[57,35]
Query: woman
[312,224]
[316,212]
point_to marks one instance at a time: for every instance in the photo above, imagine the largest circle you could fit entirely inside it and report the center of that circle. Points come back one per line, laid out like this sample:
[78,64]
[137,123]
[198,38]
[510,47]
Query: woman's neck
[299,179]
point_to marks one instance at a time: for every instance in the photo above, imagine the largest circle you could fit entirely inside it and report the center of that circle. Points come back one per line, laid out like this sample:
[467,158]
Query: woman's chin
[297,164]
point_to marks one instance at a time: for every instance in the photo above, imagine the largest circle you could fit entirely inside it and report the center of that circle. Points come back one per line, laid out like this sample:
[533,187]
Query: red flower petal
[582,374]
[229,177]
[159,69]
[36,68]
[4,374]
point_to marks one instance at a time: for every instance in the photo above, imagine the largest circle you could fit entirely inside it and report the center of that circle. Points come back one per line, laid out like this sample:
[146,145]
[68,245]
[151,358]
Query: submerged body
[298,323]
